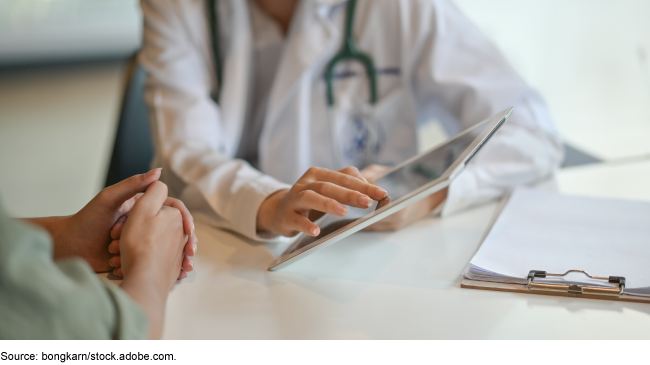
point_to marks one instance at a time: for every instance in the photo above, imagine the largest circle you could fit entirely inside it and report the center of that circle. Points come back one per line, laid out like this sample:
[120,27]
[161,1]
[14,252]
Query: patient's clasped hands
[94,233]
[187,226]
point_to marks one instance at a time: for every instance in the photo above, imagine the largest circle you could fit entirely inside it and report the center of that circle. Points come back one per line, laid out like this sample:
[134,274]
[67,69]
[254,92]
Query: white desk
[623,180]
[402,285]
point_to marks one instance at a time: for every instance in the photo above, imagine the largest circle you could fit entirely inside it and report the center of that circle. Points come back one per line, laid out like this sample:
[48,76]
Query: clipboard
[526,215]
[560,289]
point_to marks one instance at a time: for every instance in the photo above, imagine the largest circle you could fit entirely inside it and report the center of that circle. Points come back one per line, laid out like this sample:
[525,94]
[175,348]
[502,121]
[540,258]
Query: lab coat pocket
[384,133]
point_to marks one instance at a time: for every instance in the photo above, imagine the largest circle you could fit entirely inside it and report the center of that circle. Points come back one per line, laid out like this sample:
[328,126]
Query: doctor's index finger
[152,200]
[350,182]
[353,171]
[325,197]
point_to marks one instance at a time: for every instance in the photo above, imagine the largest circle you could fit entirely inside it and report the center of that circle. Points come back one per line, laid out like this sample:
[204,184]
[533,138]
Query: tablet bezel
[493,124]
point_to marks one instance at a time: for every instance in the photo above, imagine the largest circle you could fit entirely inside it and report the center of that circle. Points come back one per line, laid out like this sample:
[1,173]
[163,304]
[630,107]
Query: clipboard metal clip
[573,288]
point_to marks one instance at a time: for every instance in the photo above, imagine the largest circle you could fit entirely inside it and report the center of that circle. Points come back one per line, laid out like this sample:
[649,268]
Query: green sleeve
[43,299]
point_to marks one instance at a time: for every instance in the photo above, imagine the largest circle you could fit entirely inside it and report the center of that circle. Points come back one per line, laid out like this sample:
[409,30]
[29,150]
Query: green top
[44,299]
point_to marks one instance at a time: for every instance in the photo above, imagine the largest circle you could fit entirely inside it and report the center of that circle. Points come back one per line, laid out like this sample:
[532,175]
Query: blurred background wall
[62,30]
[589,58]
[63,64]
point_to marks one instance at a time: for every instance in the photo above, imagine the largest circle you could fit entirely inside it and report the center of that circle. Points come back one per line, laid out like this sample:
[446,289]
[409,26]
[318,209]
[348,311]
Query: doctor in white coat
[239,152]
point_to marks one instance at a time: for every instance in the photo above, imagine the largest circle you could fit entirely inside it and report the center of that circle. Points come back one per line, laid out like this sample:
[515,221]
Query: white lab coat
[446,70]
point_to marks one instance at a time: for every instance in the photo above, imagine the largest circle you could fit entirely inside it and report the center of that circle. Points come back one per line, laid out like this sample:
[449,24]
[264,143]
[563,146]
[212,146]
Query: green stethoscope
[349,52]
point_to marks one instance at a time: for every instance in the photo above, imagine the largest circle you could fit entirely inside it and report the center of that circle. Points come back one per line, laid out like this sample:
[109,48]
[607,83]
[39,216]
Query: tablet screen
[400,183]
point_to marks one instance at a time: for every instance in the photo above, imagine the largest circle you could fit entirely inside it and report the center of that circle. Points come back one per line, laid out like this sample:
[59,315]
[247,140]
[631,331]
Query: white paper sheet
[539,230]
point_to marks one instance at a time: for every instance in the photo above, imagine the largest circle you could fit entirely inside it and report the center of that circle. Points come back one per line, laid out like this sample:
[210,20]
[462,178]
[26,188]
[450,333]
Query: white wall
[57,126]
[589,58]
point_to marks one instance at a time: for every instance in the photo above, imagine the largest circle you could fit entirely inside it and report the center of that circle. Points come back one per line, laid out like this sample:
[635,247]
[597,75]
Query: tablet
[407,183]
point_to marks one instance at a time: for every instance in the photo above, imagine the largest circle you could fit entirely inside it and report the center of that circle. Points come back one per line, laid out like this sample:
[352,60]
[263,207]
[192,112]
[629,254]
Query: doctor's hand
[407,215]
[319,190]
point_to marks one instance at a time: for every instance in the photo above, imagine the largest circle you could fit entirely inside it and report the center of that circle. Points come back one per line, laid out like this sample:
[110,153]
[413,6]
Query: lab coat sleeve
[458,68]
[186,123]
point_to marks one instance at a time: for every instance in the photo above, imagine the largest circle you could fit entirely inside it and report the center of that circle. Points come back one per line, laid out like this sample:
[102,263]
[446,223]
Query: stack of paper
[539,230]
